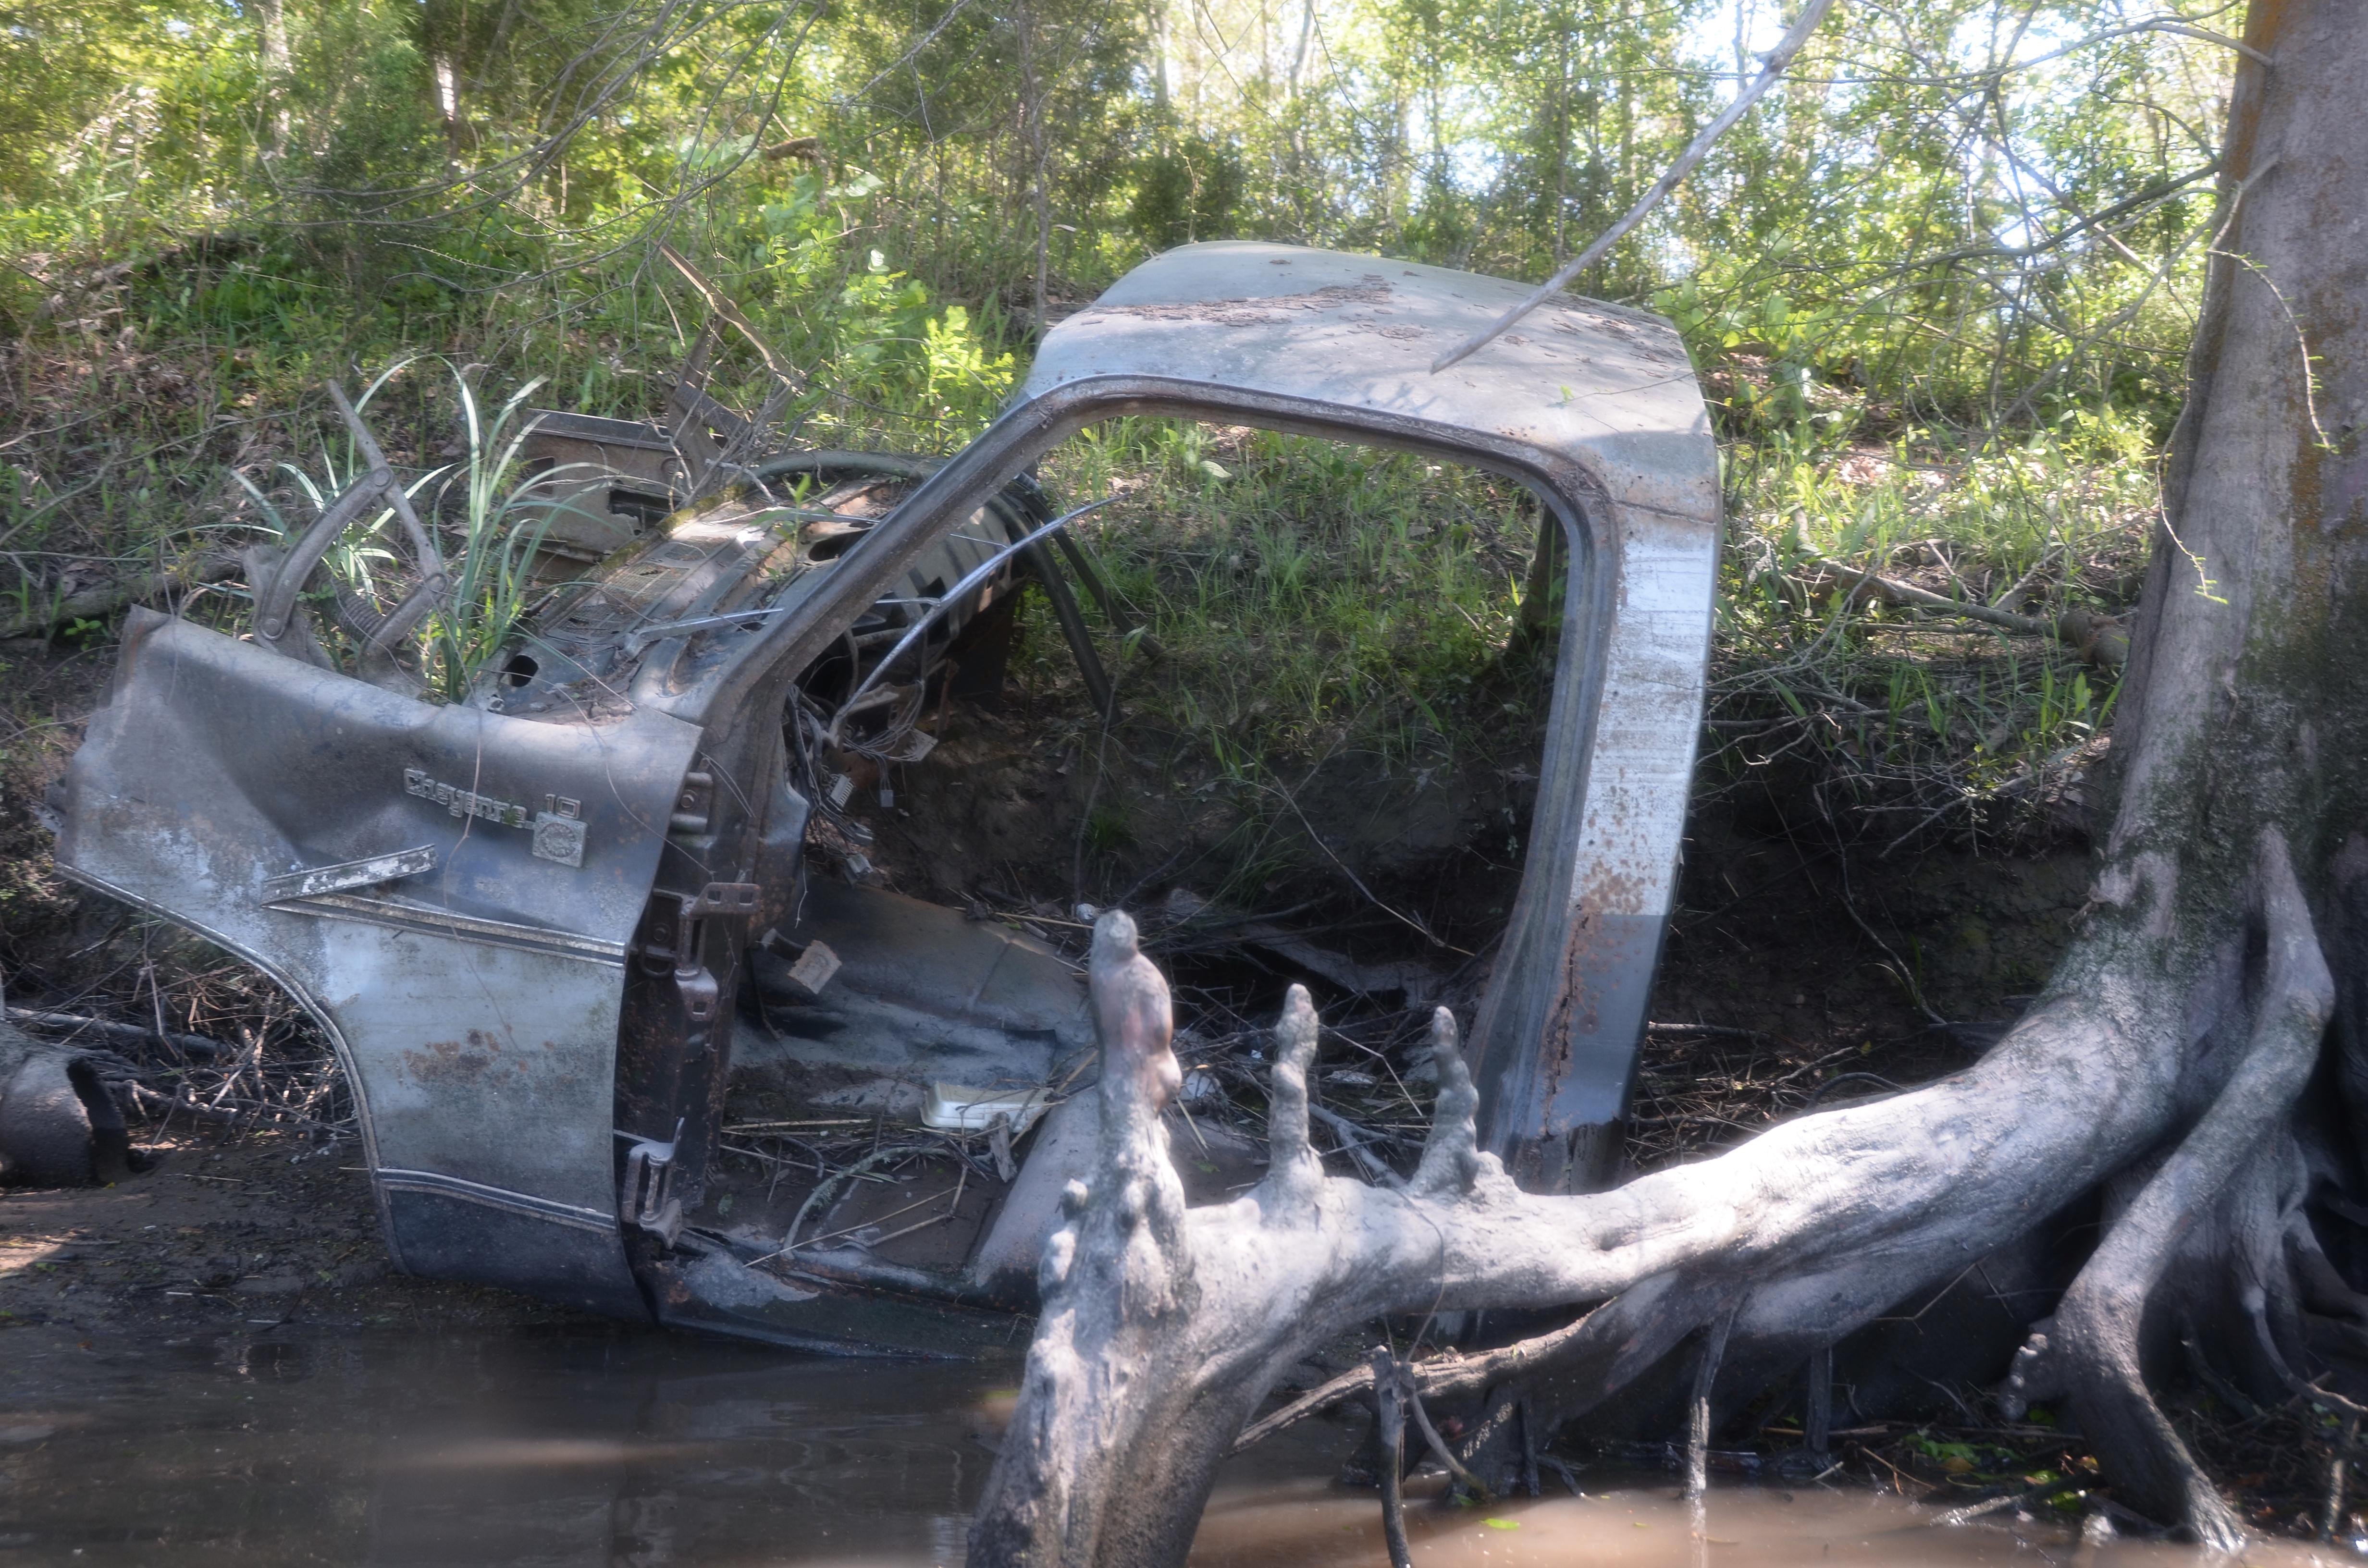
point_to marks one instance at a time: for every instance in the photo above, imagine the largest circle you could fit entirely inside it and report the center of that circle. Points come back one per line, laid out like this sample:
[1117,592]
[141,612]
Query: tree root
[2095,1336]
[1390,1392]
[1163,1328]
[1697,1408]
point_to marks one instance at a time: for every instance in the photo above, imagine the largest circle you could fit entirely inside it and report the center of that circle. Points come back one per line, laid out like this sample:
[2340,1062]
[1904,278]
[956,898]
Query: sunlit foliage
[1984,213]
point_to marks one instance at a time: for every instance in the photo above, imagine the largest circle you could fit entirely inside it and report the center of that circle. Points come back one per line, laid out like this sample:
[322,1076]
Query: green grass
[498,537]
[1318,601]
[1921,720]
[1315,599]
[475,501]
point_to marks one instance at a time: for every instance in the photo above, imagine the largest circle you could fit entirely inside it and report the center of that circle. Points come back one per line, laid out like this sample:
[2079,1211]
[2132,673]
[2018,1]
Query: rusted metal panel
[599,484]
[1556,1039]
[1596,410]
[474,1005]
[522,917]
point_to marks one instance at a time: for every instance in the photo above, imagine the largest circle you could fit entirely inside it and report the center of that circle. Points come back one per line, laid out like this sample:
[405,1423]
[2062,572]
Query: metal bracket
[669,943]
[645,1197]
[662,940]
[689,816]
[699,994]
[725,899]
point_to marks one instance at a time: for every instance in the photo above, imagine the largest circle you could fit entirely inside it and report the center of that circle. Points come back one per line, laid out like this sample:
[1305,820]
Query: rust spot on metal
[1373,290]
[454,1061]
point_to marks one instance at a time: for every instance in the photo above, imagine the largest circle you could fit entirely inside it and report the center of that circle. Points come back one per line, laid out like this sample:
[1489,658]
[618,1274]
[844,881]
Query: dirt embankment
[261,1231]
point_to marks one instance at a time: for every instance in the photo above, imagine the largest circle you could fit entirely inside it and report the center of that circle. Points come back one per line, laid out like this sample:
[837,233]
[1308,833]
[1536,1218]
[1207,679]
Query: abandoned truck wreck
[523,916]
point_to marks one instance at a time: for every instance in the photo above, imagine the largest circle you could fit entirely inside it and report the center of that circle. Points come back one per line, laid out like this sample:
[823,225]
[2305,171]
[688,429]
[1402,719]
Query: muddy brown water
[460,1449]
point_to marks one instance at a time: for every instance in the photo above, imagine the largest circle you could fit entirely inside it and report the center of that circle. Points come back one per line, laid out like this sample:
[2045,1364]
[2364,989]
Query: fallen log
[2101,640]
[105,599]
[73,1024]
[1163,1329]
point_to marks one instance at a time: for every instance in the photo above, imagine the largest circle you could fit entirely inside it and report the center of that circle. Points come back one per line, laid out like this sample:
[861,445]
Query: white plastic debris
[814,967]
[952,1108]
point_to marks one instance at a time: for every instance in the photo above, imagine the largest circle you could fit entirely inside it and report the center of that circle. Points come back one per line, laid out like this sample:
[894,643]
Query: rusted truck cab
[522,919]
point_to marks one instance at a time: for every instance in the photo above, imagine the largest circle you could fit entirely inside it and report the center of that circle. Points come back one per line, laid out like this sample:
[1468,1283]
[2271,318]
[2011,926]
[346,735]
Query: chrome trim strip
[344,874]
[498,1198]
[405,915]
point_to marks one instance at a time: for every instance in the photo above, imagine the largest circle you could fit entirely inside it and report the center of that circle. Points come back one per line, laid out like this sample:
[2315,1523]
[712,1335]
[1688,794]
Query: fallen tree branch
[1305,1405]
[1446,1376]
[1194,1313]
[787,374]
[137,1034]
[95,602]
[1720,1032]
[1357,1143]
[2101,640]
[1772,70]
[229,1115]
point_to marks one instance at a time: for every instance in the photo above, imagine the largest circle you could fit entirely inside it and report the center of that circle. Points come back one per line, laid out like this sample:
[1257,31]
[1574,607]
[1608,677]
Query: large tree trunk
[2220,965]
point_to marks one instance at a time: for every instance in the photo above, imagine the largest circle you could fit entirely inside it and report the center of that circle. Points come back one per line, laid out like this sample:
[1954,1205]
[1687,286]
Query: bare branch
[1769,73]
[106,600]
[2101,640]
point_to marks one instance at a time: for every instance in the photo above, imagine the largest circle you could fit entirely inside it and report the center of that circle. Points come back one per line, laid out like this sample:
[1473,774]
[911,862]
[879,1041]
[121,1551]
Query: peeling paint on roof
[1599,382]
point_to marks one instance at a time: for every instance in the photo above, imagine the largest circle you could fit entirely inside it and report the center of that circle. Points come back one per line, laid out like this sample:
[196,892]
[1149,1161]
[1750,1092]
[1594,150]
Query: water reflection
[634,1451]
[1309,1525]
[442,1452]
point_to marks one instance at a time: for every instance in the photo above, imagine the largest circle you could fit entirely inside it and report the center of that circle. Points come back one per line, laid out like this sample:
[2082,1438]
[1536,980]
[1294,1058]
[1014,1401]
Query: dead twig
[231,1114]
[1353,1142]
[136,1034]
[1439,1447]
[1444,1375]
[1772,70]
[2101,640]
[92,603]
